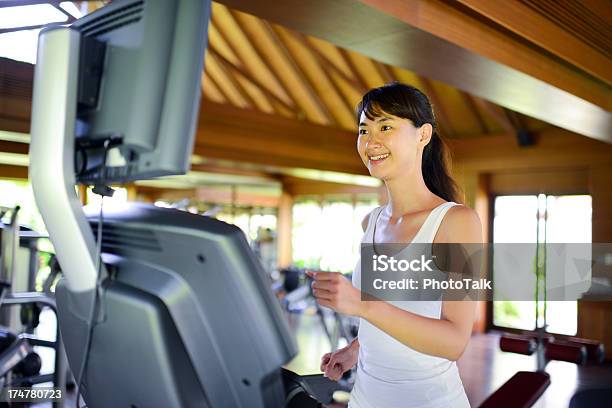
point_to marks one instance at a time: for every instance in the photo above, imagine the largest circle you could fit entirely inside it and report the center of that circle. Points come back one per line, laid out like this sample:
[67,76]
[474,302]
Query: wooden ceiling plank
[211,90]
[222,79]
[14,147]
[254,80]
[324,60]
[351,94]
[231,76]
[497,113]
[333,54]
[13,172]
[259,98]
[329,69]
[295,80]
[385,71]
[216,40]
[366,69]
[363,86]
[469,101]
[538,29]
[438,107]
[250,58]
[317,76]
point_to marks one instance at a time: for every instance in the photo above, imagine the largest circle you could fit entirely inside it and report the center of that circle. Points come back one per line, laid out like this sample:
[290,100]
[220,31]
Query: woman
[405,351]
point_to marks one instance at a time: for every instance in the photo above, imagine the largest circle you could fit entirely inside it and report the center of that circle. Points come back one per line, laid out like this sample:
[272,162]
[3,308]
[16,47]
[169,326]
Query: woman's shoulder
[460,224]
[366,220]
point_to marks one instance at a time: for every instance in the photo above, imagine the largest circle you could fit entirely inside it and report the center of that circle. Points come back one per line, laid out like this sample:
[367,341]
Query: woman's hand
[340,361]
[333,290]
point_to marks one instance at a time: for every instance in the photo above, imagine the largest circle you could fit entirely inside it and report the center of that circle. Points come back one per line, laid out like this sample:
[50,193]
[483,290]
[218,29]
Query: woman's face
[390,146]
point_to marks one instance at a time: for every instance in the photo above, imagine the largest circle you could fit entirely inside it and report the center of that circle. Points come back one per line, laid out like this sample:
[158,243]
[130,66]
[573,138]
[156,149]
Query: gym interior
[243,117]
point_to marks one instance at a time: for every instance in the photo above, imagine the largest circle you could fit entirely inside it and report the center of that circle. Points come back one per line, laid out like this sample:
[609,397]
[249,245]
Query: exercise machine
[158,307]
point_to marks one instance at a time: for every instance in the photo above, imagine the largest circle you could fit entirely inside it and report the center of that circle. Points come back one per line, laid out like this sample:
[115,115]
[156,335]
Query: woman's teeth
[379,157]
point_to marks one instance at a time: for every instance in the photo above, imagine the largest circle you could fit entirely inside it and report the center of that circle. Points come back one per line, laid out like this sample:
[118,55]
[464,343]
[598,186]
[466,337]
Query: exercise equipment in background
[19,364]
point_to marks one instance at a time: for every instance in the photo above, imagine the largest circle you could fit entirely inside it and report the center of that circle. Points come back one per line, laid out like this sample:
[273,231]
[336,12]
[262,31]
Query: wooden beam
[535,27]
[13,172]
[555,148]
[301,187]
[463,51]
[14,147]
[14,124]
[225,132]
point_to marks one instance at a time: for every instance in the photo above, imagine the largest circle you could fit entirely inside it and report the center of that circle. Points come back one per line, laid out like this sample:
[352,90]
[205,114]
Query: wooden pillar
[132,192]
[595,318]
[82,192]
[284,226]
[482,207]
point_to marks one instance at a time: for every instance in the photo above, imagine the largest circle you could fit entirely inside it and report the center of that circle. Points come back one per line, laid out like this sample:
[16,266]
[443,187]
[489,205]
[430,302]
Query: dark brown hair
[408,102]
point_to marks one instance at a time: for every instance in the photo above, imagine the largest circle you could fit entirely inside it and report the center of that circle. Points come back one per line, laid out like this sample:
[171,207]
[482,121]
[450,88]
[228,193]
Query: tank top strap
[434,220]
[367,235]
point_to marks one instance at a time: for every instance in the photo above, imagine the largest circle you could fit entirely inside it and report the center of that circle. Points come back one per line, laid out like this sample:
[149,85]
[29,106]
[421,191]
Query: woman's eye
[363,131]
[385,128]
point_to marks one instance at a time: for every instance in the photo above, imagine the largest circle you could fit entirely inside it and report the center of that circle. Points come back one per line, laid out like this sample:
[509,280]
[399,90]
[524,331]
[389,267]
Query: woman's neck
[408,195]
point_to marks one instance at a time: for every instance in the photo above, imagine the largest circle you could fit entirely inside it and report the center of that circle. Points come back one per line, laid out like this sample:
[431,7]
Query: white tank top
[391,374]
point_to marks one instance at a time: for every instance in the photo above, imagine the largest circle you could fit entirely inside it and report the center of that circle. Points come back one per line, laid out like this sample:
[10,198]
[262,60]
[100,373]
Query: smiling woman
[397,108]
[405,350]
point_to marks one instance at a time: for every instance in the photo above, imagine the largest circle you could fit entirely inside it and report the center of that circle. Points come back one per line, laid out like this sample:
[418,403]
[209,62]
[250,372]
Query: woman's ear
[425,132]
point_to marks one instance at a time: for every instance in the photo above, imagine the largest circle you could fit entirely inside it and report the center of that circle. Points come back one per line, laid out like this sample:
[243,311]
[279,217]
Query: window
[327,235]
[551,219]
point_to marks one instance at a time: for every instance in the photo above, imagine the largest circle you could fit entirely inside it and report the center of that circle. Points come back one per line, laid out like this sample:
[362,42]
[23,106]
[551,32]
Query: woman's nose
[373,141]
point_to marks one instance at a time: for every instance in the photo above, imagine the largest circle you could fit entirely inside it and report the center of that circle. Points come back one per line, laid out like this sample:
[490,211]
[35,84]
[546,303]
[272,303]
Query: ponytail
[435,169]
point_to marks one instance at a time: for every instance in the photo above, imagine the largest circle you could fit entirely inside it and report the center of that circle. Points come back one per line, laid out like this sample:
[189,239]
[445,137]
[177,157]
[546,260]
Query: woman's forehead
[377,117]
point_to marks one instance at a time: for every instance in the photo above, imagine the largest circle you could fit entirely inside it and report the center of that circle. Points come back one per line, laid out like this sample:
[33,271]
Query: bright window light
[32,15]
[20,45]
[71,8]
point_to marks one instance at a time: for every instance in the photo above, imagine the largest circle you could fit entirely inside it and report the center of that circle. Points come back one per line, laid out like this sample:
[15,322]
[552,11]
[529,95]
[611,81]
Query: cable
[98,288]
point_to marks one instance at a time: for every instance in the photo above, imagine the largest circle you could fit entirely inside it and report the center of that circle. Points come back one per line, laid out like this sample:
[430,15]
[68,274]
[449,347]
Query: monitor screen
[154,49]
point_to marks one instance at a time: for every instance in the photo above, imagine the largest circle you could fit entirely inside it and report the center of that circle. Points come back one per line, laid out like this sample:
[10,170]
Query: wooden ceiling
[505,52]
[294,95]
[254,64]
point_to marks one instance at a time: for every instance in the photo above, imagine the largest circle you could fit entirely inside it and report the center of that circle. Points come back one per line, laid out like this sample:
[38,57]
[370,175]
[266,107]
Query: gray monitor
[139,86]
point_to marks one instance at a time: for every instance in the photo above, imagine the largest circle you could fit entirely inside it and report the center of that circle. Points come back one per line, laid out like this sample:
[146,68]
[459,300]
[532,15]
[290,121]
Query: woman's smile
[378,159]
